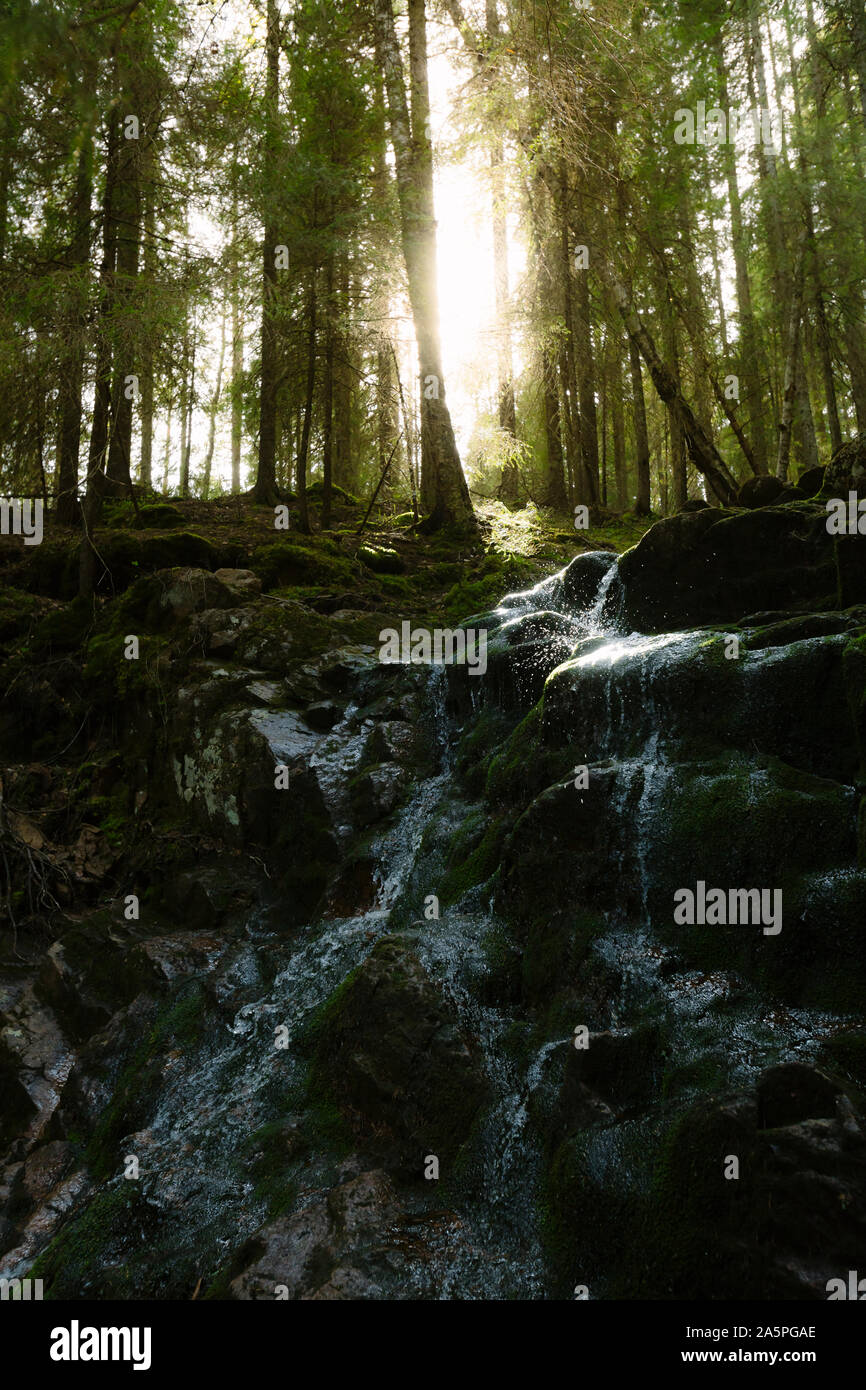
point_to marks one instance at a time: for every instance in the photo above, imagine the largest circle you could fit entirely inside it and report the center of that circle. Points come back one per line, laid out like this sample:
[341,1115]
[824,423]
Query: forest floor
[387,565]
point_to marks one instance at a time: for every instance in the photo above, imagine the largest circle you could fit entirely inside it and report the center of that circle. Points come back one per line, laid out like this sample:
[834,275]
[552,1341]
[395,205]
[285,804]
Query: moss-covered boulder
[285,563]
[381,559]
[155,515]
[718,566]
[389,1048]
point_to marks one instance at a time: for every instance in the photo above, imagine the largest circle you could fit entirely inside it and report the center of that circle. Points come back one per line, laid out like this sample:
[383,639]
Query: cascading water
[631,702]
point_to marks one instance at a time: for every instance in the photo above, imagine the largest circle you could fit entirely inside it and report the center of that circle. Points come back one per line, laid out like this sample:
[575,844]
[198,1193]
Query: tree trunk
[304,447]
[265,490]
[555,494]
[750,366]
[643,498]
[212,412]
[328,399]
[128,218]
[237,358]
[69,444]
[618,425]
[145,470]
[789,393]
[166,463]
[344,472]
[95,489]
[702,451]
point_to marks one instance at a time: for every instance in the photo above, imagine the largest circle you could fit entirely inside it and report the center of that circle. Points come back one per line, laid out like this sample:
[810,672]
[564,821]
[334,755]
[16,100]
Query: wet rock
[619,1067]
[785,694]
[521,653]
[219,630]
[45,1167]
[310,1254]
[377,791]
[322,715]
[716,566]
[89,973]
[389,1046]
[18,1108]
[793,1219]
[793,1092]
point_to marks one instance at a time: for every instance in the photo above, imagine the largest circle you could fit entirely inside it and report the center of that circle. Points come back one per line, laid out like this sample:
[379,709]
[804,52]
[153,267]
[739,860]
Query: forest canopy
[220,270]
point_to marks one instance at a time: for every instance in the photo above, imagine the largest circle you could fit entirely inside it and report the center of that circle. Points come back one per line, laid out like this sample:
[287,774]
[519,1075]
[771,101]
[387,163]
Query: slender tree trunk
[555,495]
[145,473]
[750,368]
[618,425]
[304,448]
[67,512]
[126,363]
[808,444]
[343,469]
[237,356]
[265,490]
[95,489]
[586,378]
[328,399]
[702,451]
[186,420]
[212,412]
[641,434]
[166,463]
[789,394]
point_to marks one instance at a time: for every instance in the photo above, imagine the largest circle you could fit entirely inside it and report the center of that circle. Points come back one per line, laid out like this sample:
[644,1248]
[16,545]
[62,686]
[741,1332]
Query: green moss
[585,1223]
[182,548]
[381,559]
[113,675]
[478,745]
[64,629]
[158,514]
[180,1023]
[77,1257]
[484,586]
[285,563]
[472,857]
[556,947]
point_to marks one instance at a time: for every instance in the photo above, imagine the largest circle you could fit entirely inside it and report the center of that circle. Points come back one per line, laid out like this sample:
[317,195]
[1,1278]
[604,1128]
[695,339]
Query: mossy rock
[716,566]
[64,629]
[388,1047]
[160,514]
[184,548]
[286,563]
[93,1252]
[381,559]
